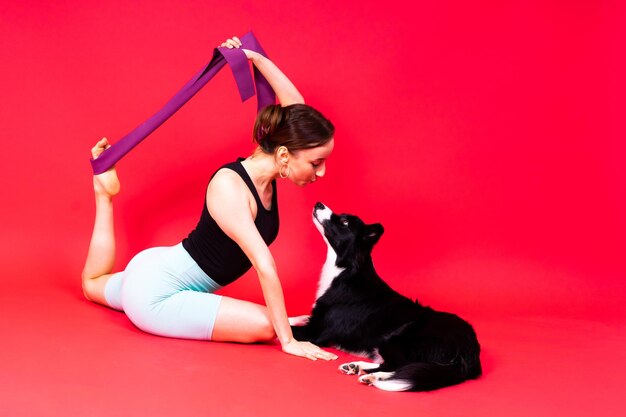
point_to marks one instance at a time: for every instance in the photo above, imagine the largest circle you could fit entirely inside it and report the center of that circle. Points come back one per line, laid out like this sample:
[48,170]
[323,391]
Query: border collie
[414,348]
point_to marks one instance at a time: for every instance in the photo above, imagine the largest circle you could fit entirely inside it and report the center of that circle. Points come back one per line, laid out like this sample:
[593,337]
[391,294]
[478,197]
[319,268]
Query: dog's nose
[319,206]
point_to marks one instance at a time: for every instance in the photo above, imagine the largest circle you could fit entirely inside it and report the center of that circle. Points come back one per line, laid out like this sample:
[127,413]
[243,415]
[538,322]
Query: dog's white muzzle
[321,214]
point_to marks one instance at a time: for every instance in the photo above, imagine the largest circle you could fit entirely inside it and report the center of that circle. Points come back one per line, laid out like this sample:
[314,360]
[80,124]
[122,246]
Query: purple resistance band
[238,63]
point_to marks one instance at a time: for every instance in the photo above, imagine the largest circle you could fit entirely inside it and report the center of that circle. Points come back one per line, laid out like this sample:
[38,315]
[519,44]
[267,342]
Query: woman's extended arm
[286,92]
[229,206]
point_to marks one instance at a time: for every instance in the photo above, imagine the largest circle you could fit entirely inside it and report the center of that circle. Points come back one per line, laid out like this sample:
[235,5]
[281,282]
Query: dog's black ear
[372,233]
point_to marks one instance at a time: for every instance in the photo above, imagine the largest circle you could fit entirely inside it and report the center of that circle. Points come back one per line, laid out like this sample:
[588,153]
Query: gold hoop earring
[280,171]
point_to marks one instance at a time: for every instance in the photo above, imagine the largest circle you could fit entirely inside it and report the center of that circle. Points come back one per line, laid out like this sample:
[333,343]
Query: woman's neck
[262,168]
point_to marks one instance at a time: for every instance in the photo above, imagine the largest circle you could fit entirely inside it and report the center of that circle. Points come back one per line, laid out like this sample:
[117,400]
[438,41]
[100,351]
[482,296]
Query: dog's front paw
[351,368]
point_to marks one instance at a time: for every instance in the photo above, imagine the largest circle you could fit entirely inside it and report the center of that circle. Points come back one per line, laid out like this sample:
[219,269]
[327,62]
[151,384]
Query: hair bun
[296,126]
[266,123]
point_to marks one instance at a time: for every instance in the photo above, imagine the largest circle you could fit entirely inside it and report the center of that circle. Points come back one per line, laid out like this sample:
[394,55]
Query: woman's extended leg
[101,254]
[246,322]
[242,321]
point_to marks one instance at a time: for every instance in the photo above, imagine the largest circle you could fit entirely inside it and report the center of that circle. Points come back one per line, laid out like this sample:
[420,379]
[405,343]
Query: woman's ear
[282,154]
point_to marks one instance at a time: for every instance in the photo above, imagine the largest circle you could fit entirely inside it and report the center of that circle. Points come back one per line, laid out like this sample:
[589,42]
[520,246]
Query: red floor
[64,356]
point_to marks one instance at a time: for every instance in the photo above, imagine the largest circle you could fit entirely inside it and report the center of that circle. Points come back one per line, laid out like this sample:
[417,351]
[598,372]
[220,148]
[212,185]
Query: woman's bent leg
[184,315]
[167,294]
[113,291]
[101,254]
[243,322]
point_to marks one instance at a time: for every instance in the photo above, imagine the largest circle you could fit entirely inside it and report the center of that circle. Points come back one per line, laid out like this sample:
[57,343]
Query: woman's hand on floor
[307,350]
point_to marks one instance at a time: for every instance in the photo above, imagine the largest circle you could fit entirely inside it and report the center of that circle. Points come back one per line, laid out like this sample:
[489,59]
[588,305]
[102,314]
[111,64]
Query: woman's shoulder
[232,167]
[226,178]
[227,195]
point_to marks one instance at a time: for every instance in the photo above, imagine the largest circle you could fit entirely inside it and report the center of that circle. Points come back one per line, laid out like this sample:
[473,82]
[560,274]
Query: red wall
[484,137]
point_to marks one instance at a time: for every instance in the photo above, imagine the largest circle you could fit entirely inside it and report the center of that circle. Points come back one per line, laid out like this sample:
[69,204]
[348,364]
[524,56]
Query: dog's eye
[345,222]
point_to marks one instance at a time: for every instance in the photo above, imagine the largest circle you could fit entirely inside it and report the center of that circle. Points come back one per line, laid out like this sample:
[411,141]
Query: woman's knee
[93,288]
[89,288]
[263,327]
[242,321]
[266,331]
[259,329]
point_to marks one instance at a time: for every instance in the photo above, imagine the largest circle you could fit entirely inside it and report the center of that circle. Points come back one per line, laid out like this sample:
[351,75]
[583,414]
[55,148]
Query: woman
[168,291]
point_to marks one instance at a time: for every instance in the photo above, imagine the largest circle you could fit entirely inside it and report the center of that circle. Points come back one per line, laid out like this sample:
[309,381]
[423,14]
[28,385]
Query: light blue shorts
[163,291]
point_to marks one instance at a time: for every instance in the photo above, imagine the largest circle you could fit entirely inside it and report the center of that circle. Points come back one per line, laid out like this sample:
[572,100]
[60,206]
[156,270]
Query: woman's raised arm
[286,92]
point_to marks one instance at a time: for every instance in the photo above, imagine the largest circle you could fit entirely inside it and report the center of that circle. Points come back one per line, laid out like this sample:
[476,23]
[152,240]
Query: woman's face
[307,165]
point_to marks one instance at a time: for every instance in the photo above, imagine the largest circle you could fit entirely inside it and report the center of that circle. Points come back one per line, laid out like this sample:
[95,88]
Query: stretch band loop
[238,63]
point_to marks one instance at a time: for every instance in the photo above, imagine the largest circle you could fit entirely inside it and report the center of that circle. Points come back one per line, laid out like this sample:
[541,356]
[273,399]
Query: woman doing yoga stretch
[169,291]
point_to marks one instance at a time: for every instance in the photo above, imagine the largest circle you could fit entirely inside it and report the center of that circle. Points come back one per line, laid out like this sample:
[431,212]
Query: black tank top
[217,254]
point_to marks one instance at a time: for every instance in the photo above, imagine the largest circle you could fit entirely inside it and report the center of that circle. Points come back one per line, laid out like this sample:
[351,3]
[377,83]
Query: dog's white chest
[330,271]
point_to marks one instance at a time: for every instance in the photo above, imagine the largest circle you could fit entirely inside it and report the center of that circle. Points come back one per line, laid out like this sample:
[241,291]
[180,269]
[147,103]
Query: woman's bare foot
[107,183]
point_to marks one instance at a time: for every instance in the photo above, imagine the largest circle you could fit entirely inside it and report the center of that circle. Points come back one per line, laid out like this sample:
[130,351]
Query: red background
[484,138]
[487,137]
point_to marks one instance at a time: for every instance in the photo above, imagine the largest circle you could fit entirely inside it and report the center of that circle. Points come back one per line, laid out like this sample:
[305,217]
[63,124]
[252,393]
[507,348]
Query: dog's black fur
[421,349]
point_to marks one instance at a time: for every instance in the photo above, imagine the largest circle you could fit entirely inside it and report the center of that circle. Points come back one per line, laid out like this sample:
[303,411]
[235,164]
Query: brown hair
[296,127]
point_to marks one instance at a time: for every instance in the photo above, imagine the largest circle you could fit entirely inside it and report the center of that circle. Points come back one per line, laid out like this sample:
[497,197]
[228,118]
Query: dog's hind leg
[299,321]
[385,381]
[354,368]
[370,379]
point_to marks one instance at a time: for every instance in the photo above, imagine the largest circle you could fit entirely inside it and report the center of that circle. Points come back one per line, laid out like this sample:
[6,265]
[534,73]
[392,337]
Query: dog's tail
[423,376]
